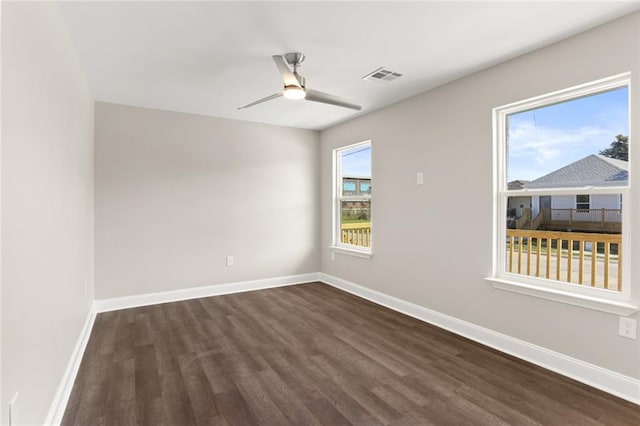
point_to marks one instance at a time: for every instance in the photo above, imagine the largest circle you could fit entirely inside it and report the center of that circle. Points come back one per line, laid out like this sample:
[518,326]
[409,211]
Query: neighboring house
[517,184]
[592,170]
[356,185]
[516,205]
[586,212]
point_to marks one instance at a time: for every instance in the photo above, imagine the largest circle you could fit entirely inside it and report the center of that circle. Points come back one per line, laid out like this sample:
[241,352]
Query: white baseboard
[60,400]
[609,381]
[105,305]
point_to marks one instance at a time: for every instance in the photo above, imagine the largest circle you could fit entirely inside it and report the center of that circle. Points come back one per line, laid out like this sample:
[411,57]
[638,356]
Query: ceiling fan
[294,85]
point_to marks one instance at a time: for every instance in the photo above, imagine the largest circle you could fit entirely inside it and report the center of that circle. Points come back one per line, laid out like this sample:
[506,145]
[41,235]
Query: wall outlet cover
[627,327]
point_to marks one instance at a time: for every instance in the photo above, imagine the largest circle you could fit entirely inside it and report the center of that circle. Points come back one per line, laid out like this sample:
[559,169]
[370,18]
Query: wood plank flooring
[312,355]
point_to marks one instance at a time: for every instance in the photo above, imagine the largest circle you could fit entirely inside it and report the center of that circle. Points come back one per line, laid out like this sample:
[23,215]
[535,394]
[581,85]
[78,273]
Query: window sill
[609,306]
[351,252]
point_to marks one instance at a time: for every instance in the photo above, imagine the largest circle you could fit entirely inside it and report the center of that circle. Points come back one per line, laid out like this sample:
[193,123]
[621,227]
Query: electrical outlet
[229,261]
[627,327]
[420,178]
[333,256]
[13,414]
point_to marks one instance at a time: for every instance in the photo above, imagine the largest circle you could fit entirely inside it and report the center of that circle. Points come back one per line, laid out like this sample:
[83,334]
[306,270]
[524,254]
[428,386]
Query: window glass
[353,204]
[566,178]
[582,203]
[348,187]
[365,187]
[544,142]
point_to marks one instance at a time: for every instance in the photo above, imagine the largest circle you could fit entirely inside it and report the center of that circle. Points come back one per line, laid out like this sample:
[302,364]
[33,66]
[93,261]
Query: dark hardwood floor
[312,355]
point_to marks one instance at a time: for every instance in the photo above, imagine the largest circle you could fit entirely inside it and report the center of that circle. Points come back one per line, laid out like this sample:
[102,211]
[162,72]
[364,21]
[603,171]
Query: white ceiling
[212,57]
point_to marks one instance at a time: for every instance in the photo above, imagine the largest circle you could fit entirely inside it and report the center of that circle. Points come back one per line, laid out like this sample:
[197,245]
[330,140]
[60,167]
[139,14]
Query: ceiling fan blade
[288,77]
[259,101]
[325,98]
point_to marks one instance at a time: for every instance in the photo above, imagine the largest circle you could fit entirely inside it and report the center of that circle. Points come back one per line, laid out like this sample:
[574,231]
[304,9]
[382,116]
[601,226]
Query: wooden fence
[599,220]
[572,257]
[358,234]
[583,215]
[590,220]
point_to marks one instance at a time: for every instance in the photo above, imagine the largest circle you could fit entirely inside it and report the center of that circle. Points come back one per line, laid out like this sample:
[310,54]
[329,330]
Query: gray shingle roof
[593,170]
[517,184]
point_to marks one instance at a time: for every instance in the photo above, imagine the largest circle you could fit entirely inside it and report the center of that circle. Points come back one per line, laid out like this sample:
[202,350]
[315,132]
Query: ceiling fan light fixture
[294,92]
[295,87]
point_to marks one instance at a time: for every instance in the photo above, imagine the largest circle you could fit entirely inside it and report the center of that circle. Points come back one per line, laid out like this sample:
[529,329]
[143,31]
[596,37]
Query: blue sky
[357,162]
[546,139]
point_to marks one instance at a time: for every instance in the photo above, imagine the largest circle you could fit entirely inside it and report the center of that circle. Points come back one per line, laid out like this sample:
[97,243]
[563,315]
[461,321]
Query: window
[365,187]
[582,203]
[352,200]
[348,186]
[561,177]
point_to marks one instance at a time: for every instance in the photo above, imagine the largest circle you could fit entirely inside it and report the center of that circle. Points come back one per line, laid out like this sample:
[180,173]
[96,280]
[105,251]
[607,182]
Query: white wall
[605,201]
[47,206]
[563,202]
[176,193]
[447,134]
[596,201]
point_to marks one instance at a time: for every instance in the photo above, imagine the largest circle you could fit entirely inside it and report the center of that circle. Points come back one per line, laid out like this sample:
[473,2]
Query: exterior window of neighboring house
[349,186]
[582,203]
[562,175]
[352,200]
[365,187]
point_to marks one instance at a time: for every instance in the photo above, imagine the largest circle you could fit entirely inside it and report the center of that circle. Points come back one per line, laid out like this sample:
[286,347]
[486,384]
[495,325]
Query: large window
[352,200]
[562,177]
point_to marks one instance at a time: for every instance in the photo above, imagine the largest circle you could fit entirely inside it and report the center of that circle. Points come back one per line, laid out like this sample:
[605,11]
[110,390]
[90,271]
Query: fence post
[602,217]
[570,215]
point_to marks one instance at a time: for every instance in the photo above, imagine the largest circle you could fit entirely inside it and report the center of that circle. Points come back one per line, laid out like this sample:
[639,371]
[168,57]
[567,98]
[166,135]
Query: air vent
[382,75]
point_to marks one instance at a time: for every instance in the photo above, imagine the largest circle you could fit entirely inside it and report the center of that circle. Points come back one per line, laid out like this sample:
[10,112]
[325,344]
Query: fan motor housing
[294,58]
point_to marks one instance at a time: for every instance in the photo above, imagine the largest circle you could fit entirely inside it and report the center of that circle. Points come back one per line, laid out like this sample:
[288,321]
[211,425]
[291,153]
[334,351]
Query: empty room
[319,213]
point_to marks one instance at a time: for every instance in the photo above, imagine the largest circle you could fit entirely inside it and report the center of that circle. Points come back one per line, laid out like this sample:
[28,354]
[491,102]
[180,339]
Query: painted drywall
[47,206]
[176,193]
[432,242]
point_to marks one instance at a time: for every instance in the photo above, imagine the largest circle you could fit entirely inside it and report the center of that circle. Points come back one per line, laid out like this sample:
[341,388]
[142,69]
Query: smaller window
[352,202]
[582,203]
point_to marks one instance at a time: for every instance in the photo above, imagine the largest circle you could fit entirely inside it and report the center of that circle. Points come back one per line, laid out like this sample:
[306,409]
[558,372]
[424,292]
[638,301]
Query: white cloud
[537,150]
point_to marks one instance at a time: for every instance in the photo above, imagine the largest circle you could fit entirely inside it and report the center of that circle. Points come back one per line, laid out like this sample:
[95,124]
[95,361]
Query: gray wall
[432,243]
[176,193]
[47,206]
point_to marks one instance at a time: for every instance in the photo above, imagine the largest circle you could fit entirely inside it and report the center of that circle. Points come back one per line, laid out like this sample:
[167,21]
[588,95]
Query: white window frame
[337,246]
[618,302]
